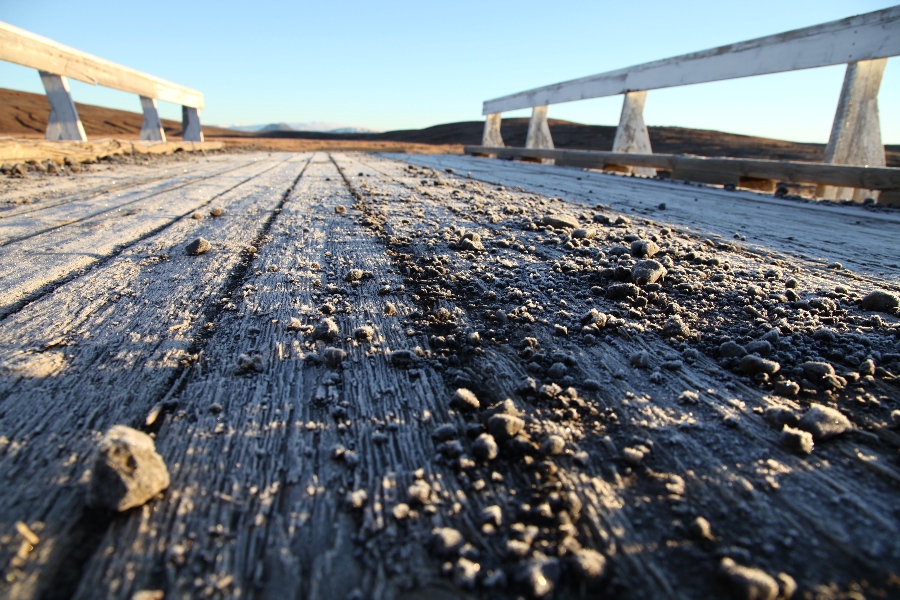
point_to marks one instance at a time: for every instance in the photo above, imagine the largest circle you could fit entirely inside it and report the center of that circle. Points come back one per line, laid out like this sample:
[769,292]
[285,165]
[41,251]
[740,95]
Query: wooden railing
[863,43]
[56,62]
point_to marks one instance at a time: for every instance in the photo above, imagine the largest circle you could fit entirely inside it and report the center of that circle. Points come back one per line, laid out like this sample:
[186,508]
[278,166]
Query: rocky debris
[465,573]
[353,275]
[198,246]
[326,330]
[403,358]
[732,349]
[647,271]
[644,248]
[701,529]
[881,301]
[755,365]
[485,447]
[588,565]
[419,492]
[492,515]
[465,400]
[446,541]
[470,241]
[127,470]
[778,417]
[675,327]
[504,427]
[333,356]
[539,576]
[584,234]
[364,333]
[216,212]
[824,422]
[796,440]
[561,221]
[249,363]
[340,209]
[748,583]
[553,445]
[356,500]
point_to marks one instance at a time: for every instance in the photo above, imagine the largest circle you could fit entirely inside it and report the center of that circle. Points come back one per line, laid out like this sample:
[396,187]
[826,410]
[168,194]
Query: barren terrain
[446,376]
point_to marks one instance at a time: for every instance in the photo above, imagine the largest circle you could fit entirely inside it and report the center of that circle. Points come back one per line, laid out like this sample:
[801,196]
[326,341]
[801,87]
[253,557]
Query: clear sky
[407,64]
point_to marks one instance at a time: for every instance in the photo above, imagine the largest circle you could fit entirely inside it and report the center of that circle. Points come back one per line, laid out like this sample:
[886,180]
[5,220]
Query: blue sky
[405,64]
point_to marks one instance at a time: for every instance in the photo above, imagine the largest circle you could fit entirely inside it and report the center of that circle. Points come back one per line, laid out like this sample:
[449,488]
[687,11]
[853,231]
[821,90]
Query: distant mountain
[316,126]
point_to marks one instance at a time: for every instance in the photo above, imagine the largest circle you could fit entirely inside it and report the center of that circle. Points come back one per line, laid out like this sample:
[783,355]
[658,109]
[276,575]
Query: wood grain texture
[862,37]
[30,50]
[879,178]
[291,463]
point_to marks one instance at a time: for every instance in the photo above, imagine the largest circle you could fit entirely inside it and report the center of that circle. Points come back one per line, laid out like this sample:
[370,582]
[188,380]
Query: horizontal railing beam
[29,50]
[862,37]
[880,178]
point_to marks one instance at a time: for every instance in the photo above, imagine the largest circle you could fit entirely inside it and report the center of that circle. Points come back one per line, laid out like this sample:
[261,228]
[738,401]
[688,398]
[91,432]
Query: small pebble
[127,470]
[464,399]
[796,440]
[333,356]
[216,212]
[880,301]
[539,576]
[701,529]
[485,447]
[326,330]
[754,365]
[198,246]
[749,583]
[364,333]
[504,427]
[824,422]
[446,541]
[553,445]
[589,565]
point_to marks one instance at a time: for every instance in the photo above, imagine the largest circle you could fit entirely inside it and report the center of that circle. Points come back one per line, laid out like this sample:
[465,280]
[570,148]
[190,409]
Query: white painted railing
[863,43]
[56,62]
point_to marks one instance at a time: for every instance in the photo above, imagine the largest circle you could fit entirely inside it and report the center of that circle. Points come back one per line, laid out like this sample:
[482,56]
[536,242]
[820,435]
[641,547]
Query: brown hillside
[24,114]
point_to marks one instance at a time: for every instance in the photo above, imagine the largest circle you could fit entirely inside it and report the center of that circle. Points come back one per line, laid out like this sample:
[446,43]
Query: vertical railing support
[539,132]
[64,123]
[856,133]
[152,129]
[491,136]
[632,136]
[190,125]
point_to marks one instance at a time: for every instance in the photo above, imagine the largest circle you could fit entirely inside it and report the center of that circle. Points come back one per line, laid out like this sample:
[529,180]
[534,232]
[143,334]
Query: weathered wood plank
[31,264]
[64,358]
[862,37]
[259,503]
[30,50]
[878,178]
[820,234]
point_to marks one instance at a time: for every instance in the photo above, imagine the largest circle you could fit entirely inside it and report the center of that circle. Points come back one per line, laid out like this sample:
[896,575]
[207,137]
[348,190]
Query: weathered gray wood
[64,123]
[31,50]
[856,134]
[862,37]
[723,170]
[258,504]
[151,128]
[632,135]
[863,241]
[29,263]
[538,129]
[190,125]
[491,136]
[63,361]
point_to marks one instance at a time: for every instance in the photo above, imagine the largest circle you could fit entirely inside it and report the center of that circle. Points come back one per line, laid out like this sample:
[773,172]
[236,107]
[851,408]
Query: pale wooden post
[539,132]
[632,136]
[491,137]
[190,125]
[856,133]
[64,123]
[152,129]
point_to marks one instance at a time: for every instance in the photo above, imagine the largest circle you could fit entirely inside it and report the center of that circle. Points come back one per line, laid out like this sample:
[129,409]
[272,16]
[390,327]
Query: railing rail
[863,42]
[56,62]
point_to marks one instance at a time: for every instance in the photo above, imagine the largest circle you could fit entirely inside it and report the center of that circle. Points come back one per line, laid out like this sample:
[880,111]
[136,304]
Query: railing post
[64,123]
[632,136]
[856,133]
[539,132]
[491,136]
[152,129]
[190,125]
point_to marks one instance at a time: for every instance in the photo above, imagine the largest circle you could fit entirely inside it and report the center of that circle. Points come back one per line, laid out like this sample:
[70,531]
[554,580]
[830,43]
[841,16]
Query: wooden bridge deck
[104,320]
